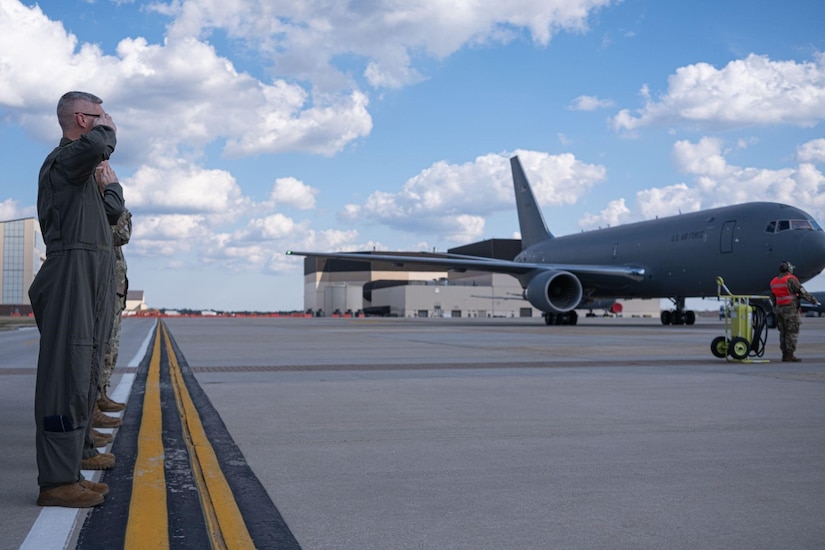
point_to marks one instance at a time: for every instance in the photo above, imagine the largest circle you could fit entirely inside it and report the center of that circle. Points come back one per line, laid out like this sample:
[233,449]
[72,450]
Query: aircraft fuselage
[683,255]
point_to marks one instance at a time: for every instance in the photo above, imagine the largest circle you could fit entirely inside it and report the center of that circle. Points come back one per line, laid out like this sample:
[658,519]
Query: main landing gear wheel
[679,315]
[567,318]
[719,347]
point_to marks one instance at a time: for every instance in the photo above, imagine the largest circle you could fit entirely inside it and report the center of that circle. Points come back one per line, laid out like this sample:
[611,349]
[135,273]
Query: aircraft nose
[812,253]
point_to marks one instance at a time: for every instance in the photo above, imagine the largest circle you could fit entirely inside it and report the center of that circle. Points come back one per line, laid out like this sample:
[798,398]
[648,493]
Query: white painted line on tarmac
[142,350]
[52,529]
[54,526]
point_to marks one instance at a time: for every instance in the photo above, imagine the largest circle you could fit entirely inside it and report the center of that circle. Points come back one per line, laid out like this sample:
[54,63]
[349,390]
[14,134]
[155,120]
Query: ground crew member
[785,294]
[72,296]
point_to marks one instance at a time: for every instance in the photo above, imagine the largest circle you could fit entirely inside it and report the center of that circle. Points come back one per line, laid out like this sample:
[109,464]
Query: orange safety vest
[779,288]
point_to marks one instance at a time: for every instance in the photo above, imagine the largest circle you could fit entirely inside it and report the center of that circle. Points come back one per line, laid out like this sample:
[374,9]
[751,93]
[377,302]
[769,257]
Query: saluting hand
[104,175]
[106,120]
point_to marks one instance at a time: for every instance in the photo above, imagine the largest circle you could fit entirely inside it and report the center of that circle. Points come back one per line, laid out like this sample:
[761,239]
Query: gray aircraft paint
[676,257]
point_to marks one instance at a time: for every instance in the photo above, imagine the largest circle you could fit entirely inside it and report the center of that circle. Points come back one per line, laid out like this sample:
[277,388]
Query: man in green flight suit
[72,296]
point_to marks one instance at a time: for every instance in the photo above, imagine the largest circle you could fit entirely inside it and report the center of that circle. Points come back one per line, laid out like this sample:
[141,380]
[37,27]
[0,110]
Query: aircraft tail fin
[531,222]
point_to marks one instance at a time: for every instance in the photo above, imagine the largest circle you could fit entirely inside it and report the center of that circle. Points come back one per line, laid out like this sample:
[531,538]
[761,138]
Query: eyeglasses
[88,114]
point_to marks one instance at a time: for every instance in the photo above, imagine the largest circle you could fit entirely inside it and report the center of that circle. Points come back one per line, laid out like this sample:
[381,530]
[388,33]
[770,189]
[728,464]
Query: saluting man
[786,291]
[72,297]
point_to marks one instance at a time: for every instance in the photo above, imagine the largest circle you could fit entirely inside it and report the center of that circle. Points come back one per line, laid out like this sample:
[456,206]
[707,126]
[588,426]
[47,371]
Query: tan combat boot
[100,420]
[106,404]
[99,488]
[101,439]
[74,495]
[101,461]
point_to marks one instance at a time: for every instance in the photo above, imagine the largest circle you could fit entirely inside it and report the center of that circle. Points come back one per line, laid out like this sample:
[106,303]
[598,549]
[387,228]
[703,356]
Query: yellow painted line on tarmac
[224,520]
[148,525]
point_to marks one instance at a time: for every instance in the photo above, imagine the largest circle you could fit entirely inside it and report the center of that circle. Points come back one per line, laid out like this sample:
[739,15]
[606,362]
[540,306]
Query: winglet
[531,222]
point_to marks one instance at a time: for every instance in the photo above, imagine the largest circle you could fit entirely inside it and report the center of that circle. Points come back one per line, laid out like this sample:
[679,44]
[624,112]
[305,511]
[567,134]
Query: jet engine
[554,291]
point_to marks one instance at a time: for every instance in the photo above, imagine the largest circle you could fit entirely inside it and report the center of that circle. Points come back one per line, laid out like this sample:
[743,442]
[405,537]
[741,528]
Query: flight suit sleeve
[80,157]
[113,202]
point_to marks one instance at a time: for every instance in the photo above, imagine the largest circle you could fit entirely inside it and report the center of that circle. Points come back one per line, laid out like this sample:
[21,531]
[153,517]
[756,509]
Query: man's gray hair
[65,107]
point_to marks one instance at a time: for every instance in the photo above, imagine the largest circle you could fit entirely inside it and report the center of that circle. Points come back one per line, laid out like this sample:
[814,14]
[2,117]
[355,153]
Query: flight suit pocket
[59,459]
[82,380]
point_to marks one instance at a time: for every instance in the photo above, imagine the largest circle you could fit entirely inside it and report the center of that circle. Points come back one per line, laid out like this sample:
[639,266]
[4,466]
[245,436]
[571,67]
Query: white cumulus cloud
[812,151]
[589,103]
[452,201]
[746,92]
[293,192]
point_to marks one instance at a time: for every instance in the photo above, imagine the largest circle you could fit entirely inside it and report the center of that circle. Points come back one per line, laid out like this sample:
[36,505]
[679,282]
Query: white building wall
[21,244]
[639,307]
[470,294]
[135,301]
[450,301]
[343,297]
[479,301]
[320,293]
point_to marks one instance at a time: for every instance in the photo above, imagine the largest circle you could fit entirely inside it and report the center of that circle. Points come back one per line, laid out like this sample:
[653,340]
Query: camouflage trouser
[112,346]
[788,321]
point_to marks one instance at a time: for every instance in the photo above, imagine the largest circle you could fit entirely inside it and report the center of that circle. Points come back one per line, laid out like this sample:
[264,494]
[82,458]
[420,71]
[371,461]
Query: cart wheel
[739,348]
[770,320]
[719,347]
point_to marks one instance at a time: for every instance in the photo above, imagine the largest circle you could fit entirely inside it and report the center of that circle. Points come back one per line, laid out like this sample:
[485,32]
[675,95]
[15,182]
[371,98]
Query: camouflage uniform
[121,233]
[788,319]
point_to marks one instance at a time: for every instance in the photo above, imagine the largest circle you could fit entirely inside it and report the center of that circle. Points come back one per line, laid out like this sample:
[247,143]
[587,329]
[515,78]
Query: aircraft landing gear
[568,318]
[679,315]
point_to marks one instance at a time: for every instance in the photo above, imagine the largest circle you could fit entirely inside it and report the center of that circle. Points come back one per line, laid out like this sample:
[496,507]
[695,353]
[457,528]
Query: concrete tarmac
[491,433]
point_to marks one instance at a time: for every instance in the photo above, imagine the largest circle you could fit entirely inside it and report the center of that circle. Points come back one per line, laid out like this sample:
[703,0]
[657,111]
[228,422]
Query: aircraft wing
[460,262]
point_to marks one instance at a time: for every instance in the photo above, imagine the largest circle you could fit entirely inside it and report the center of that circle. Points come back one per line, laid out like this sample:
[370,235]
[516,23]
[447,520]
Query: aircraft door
[726,237]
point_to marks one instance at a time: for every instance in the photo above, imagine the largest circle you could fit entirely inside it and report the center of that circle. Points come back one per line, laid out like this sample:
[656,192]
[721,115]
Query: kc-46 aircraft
[676,257]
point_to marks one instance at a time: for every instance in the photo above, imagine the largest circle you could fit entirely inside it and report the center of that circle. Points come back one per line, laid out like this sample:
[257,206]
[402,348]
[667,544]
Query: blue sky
[249,127]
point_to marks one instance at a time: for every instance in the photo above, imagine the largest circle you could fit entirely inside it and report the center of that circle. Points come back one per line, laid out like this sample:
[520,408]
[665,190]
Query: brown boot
[101,461]
[791,359]
[100,420]
[99,488]
[101,439]
[74,495]
[106,404]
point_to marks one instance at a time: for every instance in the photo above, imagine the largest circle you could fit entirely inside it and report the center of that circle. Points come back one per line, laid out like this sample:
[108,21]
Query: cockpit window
[786,225]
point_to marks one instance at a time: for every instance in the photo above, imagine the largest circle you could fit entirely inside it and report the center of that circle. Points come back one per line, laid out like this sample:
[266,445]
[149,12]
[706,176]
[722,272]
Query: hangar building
[403,290]
[22,252]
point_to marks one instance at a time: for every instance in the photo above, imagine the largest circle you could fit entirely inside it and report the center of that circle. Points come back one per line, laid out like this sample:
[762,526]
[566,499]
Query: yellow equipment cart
[746,327]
